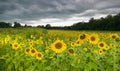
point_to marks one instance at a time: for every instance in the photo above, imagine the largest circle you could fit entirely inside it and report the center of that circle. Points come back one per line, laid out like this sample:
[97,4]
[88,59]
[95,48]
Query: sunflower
[114,36]
[112,45]
[39,55]
[102,45]
[100,51]
[48,47]
[72,44]
[27,50]
[93,39]
[31,36]
[82,37]
[107,47]
[47,50]
[39,41]
[15,45]
[31,43]
[85,49]
[33,52]
[51,57]
[58,46]
[78,42]
[7,39]
[40,37]
[71,51]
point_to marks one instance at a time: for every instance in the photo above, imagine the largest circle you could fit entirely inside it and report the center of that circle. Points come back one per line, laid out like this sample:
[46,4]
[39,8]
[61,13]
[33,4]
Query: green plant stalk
[57,61]
[43,66]
[114,59]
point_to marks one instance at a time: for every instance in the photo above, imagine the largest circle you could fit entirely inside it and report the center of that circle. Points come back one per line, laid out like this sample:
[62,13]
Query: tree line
[9,25]
[108,23]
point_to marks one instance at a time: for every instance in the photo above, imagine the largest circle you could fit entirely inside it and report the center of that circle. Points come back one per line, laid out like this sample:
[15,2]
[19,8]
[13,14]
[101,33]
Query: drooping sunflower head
[82,37]
[15,45]
[114,36]
[39,56]
[58,46]
[101,45]
[93,39]
[78,42]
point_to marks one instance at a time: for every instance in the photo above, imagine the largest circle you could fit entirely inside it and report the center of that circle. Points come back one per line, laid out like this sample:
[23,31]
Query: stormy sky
[56,12]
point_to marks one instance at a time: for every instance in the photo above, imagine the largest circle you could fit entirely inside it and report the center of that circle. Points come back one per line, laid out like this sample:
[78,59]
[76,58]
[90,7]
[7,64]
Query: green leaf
[109,69]
[92,66]
[9,68]
[48,68]
[20,68]
[87,68]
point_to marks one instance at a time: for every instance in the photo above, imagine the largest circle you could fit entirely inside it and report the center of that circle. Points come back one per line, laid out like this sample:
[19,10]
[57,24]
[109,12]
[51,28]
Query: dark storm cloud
[104,4]
[41,8]
[26,10]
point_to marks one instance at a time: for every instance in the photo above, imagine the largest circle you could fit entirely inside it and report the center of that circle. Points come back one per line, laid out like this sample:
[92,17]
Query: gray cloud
[33,10]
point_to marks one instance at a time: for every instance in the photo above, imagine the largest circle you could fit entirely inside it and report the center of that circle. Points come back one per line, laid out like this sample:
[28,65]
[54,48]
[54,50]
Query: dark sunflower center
[58,45]
[31,43]
[72,43]
[15,45]
[113,37]
[100,51]
[27,50]
[78,42]
[33,51]
[92,38]
[101,44]
[82,36]
[71,51]
[39,55]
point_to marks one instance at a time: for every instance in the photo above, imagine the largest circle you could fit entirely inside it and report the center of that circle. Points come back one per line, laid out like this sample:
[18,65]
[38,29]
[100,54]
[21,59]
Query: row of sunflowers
[59,50]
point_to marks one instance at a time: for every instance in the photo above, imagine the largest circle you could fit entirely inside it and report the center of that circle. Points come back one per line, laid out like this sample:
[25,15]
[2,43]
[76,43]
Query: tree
[17,25]
[5,25]
[108,23]
[48,26]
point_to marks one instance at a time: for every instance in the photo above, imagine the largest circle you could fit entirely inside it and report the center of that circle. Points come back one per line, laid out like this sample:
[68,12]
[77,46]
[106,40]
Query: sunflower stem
[114,58]
[57,62]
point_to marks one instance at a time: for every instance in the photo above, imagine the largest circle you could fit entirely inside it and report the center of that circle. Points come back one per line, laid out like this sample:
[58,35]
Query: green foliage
[17,25]
[108,23]
[84,57]
[5,25]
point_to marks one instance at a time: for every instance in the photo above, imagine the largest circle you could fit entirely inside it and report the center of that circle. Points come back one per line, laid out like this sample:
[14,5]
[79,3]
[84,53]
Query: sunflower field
[35,49]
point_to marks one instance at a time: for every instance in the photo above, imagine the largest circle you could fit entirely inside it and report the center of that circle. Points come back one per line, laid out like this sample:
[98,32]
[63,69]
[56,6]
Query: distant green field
[35,49]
